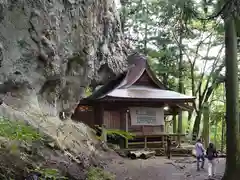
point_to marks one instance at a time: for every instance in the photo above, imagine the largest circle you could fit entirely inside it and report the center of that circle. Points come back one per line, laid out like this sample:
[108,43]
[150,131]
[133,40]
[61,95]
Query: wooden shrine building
[135,101]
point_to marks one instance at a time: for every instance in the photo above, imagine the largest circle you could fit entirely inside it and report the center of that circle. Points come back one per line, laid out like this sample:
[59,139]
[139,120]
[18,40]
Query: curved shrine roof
[124,85]
[141,92]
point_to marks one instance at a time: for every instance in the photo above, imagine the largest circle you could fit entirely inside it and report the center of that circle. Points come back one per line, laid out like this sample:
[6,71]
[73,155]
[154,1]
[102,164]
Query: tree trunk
[180,66]
[232,116]
[215,132]
[205,133]
[196,126]
[146,30]
[223,134]
[204,98]
[123,15]
[189,122]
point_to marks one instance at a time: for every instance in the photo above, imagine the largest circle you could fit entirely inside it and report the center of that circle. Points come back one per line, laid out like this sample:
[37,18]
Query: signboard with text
[145,116]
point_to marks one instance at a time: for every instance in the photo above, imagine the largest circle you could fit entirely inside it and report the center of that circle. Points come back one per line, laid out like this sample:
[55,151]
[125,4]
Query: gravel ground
[160,168]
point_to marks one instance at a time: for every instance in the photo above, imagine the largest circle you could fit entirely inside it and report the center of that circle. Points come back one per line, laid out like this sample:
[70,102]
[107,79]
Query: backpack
[210,154]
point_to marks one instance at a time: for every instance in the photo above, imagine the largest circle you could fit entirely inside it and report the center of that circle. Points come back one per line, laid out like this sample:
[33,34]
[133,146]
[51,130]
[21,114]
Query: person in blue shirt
[200,154]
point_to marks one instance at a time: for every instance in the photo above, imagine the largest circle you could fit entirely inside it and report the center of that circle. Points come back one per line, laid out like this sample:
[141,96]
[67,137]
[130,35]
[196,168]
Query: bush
[42,174]
[120,133]
[15,130]
[99,174]
[115,136]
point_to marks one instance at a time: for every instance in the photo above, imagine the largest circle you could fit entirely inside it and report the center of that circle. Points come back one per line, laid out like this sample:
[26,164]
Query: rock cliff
[50,50]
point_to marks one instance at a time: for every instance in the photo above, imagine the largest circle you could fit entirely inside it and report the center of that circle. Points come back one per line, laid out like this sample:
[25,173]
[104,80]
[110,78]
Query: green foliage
[217,117]
[116,133]
[156,28]
[87,91]
[16,130]
[121,133]
[52,174]
[19,131]
[99,174]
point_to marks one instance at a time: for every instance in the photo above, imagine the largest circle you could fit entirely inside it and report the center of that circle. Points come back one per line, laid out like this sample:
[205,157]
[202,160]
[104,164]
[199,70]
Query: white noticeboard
[145,116]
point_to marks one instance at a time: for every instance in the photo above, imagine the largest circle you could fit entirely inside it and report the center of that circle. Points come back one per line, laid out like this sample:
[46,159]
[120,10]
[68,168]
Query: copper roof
[123,85]
[137,65]
[142,92]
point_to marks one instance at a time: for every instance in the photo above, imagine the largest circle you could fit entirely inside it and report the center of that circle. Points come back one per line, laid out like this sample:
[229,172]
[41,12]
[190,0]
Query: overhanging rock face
[49,52]
[50,49]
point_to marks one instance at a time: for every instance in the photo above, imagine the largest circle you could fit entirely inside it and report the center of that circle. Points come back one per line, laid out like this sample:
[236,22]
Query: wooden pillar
[98,114]
[174,123]
[205,132]
[126,126]
[163,142]
[122,120]
[179,127]
[104,133]
[145,142]
[101,117]
[180,122]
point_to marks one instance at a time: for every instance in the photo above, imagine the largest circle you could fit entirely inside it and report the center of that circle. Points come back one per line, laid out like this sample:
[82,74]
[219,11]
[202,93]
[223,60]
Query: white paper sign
[146,116]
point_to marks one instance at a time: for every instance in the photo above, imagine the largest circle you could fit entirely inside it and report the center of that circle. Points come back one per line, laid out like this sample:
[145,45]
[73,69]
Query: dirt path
[159,168]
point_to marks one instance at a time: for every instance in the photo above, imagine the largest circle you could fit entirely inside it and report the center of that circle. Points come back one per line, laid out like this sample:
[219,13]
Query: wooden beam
[179,128]
[144,100]
[126,127]
[104,133]
[98,114]
[174,123]
[145,142]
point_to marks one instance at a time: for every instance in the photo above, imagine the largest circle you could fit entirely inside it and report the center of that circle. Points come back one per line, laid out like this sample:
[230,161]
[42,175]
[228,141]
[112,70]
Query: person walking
[200,151]
[168,149]
[211,155]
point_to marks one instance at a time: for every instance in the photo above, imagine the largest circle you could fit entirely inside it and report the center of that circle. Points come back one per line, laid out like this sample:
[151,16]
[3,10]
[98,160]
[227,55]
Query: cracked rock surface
[50,50]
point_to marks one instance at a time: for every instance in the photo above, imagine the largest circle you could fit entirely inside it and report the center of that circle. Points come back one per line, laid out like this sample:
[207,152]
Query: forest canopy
[184,43]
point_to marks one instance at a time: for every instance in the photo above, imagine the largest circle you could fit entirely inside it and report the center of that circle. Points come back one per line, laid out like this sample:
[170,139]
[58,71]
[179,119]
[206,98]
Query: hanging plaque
[146,116]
